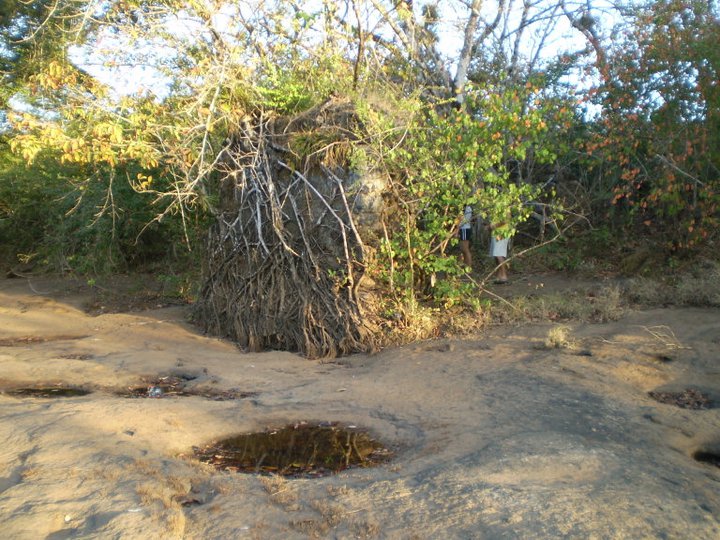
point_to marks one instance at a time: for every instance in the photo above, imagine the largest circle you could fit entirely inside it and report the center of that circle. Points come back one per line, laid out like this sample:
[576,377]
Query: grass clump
[700,288]
[281,492]
[607,304]
[558,338]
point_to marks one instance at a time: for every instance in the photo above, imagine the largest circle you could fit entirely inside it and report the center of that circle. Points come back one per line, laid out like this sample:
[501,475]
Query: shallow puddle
[164,387]
[712,458]
[296,451]
[48,392]
[34,340]
[687,399]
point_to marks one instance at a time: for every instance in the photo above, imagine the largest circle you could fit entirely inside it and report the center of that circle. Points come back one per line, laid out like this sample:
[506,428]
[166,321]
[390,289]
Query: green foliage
[301,84]
[560,256]
[82,218]
[104,169]
[445,160]
[20,57]
[117,178]
[658,138]
[285,96]
[26,204]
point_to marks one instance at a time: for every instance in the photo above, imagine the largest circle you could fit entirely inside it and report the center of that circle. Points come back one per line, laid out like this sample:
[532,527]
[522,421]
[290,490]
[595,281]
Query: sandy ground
[494,437]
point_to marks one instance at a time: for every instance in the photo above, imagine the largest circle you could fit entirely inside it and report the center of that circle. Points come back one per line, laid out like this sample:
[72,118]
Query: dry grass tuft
[162,494]
[163,507]
[647,292]
[698,288]
[333,514]
[607,304]
[411,321]
[175,522]
[557,338]
[702,288]
[665,336]
[176,483]
[273,484]
[314,528]
[365,529]
[150,494]
[147,469]
[337,491]
[281,492]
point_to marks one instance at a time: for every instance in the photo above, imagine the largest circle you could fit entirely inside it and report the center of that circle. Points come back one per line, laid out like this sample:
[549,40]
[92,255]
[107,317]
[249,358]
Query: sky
[141,76]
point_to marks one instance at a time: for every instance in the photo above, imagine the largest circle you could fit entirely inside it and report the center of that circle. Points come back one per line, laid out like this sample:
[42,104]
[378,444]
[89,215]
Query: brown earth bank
[509,434]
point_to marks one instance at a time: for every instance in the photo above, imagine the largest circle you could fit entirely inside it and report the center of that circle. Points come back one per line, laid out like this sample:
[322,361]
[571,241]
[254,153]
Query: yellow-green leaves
[445,159]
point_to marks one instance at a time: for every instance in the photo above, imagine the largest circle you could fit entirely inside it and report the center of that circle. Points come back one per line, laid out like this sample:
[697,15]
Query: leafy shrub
[72,217]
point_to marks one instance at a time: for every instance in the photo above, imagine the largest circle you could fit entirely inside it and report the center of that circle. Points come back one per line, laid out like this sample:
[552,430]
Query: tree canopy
[622,100]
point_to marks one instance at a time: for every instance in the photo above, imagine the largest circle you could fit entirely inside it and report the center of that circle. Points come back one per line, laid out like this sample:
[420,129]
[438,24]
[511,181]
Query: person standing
[466,235]
[499,249]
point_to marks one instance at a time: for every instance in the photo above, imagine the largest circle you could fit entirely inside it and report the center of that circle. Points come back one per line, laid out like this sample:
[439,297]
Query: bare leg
[502,274]
[466,255]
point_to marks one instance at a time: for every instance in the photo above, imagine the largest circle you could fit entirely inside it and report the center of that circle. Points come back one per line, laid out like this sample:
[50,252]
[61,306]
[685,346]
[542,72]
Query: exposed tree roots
[285,258]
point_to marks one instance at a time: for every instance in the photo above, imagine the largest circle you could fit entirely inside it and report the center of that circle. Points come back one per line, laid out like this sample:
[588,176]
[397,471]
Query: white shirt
[467,218]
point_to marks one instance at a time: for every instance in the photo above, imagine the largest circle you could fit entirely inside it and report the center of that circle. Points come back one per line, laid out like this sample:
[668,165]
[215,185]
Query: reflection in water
[48,392]
[301,450]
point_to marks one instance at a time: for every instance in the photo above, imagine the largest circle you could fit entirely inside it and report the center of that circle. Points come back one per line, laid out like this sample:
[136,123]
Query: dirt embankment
[513,433]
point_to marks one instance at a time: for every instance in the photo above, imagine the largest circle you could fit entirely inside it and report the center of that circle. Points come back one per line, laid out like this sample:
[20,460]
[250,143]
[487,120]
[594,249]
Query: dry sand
[494,437]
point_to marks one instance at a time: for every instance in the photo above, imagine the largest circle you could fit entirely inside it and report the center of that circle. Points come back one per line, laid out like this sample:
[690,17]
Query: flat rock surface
[496,436]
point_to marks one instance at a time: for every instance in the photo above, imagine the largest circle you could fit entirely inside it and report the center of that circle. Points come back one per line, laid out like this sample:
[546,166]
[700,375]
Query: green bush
[69,217]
